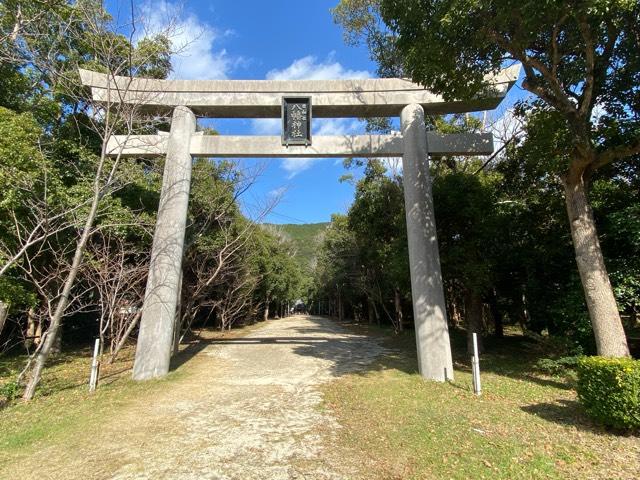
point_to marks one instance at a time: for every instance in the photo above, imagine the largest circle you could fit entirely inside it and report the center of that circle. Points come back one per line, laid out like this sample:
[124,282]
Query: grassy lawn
[63,408]
[396,426]
[525,425]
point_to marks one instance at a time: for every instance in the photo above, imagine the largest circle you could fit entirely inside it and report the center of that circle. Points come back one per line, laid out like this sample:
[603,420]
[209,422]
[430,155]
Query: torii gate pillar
[153,353]
[430,318]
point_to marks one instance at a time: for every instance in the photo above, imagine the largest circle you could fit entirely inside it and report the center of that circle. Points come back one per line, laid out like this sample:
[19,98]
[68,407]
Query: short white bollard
[475,366]
[93,379]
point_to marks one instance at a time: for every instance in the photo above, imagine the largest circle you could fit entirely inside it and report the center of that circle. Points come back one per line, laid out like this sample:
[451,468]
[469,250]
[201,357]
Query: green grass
[523,426]
[63,407]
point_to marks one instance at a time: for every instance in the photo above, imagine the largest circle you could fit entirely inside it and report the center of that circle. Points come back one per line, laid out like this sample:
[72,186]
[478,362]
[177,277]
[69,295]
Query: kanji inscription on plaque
[296,120]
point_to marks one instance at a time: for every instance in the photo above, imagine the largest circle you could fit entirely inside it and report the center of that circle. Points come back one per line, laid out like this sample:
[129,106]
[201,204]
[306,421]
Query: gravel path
[248,409]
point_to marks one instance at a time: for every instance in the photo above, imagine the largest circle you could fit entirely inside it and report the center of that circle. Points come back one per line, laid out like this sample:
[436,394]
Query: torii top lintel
[379,97]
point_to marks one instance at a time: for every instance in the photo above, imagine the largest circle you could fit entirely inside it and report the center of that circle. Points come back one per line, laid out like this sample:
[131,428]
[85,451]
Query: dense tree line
[505,247]
[508,247]
[76,225]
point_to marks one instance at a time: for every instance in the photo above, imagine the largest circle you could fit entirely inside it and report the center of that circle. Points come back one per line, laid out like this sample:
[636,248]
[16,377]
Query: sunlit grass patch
[63,408]
[524,425]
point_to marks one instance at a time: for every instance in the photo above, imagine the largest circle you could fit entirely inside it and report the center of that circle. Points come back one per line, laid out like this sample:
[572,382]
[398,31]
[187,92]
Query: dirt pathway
[248,409]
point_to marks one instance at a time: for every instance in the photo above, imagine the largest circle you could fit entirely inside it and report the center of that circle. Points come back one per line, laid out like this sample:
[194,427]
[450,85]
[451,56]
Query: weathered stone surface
[377,97]
[429,313]
[155,339]
[325,146]
[263,98]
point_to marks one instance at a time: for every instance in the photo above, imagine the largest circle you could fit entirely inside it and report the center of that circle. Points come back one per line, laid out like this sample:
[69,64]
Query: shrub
[9,391]
[609,390]
[559,366]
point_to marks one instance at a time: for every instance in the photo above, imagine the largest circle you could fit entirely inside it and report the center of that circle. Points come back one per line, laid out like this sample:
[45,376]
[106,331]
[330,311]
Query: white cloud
[277,192]
[193,40]
[310,68]
[293,166]
[337,126]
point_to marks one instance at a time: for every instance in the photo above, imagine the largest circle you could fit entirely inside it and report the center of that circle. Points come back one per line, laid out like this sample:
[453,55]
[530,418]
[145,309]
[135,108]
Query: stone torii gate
[264,99]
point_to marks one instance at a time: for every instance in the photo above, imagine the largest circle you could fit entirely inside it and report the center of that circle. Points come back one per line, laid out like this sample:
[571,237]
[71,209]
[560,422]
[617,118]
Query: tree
[536,280]
[377,220]
[579,58]
[49,47]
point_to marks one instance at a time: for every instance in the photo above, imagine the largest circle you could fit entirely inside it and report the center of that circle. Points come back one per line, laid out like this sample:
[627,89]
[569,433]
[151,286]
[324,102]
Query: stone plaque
[296,120]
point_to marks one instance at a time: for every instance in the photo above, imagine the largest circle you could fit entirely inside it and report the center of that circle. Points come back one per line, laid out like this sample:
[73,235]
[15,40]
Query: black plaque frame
[286,138]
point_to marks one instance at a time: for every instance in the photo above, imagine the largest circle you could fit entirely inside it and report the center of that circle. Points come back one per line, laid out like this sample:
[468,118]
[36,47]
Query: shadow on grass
[566,412]
[364,349]
[195,346]
[512,356]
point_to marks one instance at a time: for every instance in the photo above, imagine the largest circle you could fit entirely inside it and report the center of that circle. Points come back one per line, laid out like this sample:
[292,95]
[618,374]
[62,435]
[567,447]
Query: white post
[155,340]
[429,313]
[475,366]
[177,324]
[95,364]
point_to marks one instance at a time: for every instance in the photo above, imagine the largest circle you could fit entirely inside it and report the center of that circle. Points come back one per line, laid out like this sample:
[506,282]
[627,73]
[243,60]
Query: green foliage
[466,225]
[580,62]
[450,45]
[306,239]
[557,366]
[24,165]
[361,22]
[609,390]
[233,267]
[50,144]
[363,261]
[9,391]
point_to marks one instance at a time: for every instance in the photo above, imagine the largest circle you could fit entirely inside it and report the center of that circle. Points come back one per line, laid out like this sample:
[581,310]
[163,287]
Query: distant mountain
[306,237]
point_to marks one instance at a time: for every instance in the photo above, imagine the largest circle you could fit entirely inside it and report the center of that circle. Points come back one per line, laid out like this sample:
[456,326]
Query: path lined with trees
[76,226]
[248,406]
[565,187]
[539,243]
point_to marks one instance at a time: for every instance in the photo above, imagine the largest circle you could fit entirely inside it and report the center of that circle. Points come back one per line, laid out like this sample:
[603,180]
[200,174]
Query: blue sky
[256,39]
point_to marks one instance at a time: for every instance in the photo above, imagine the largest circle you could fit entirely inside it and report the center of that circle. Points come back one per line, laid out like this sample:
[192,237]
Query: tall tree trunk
[266,309]
[4,313]
[473,318]
[453,308]
[56,348]
[521,312]
[38,336]
[51,336]
[496,314]
[32,328]
[376,312]
[397,302]
[370,311]
[125,335]
[610,337]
